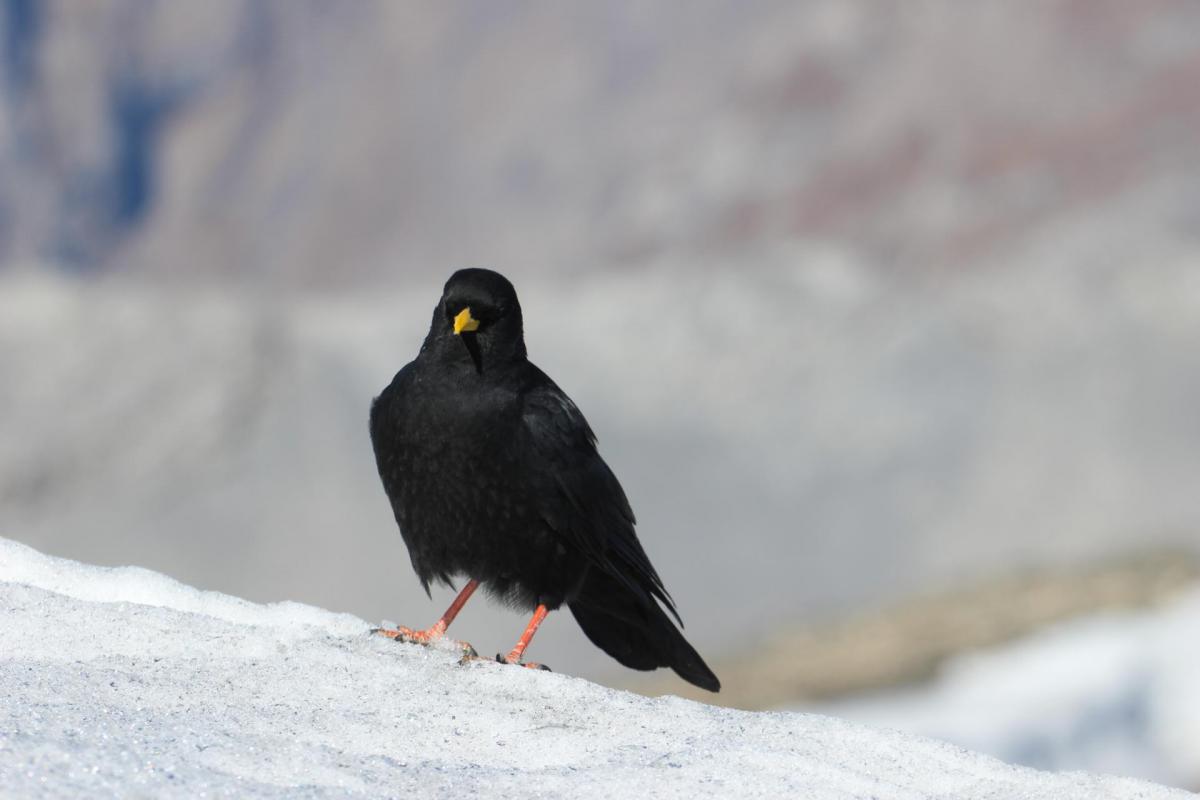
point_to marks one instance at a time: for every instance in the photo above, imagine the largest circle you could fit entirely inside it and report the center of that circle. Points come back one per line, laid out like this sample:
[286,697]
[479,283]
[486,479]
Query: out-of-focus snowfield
[124,682]
[1116,693]
[861,298]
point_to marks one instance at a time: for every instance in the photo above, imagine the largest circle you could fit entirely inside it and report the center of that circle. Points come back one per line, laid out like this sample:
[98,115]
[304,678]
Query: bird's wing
[580,498]
[382,426]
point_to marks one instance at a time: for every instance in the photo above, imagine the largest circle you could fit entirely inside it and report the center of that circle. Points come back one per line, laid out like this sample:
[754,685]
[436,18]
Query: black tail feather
[636,631]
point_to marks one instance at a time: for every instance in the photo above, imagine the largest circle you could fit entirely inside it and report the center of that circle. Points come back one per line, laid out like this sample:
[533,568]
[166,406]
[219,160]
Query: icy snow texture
[116,682]
[1119,690]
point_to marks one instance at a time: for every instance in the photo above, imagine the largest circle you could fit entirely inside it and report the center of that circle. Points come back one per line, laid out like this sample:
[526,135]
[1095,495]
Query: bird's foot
[514,656]
[426,638]
[500,659]
[517,662]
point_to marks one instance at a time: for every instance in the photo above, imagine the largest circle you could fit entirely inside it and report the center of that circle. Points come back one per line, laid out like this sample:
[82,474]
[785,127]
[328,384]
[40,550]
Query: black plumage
[493,475]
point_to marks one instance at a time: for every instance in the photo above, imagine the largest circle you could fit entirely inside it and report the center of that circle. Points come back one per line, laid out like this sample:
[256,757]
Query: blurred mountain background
[866,301]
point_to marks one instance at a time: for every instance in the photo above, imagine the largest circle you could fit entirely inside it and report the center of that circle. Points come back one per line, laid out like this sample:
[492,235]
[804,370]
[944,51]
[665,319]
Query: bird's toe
[427,637]
[503,659]
[386,633]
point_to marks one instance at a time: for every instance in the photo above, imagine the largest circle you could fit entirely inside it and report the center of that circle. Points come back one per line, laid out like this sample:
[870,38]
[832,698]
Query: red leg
[438,629]
[514,655]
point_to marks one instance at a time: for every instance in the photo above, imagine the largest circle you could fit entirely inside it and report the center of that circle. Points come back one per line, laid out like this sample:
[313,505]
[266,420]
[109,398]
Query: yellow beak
[465,322]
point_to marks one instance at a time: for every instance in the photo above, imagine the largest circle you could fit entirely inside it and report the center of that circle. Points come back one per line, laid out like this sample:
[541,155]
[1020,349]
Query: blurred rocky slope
[861,298]
[326,143]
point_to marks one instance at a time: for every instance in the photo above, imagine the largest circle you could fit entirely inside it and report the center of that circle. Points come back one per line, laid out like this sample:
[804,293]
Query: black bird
[493,476]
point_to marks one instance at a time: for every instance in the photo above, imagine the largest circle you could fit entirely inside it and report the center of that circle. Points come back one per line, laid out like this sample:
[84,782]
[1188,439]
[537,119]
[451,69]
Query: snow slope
[120,682]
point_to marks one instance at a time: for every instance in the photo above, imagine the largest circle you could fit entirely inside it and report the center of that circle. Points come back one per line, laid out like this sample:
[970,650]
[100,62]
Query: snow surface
[120,682]
[1117,691]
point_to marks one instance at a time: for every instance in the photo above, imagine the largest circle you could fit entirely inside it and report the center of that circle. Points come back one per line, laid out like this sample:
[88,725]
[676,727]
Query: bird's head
[478,319]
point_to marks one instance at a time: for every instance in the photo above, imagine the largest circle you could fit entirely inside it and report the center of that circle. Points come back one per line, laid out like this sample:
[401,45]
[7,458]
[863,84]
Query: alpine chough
[493,476]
